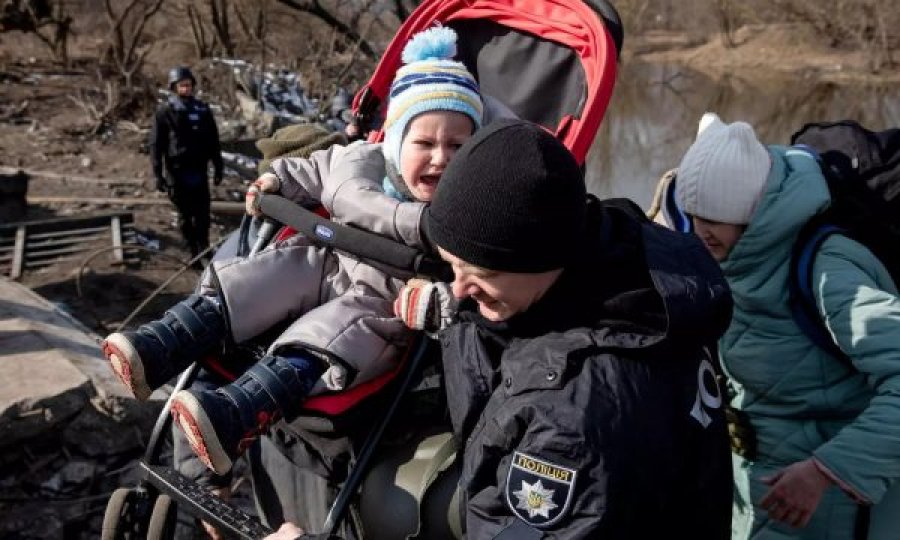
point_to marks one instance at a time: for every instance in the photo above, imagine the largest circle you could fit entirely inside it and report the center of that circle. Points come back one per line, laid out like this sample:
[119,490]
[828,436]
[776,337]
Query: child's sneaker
[221,424]
[147,358]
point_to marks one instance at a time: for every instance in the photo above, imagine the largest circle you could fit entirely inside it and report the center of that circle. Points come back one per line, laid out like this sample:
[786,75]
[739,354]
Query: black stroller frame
[148,510]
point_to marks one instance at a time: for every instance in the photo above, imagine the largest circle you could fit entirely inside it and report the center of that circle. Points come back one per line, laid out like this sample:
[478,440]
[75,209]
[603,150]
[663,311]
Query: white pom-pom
[438,43]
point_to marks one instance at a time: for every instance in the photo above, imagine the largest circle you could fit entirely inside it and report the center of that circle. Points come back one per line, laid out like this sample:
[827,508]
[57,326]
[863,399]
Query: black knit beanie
[512,199]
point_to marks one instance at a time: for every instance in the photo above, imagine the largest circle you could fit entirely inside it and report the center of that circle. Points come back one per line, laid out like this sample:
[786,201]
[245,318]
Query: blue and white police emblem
[538,491]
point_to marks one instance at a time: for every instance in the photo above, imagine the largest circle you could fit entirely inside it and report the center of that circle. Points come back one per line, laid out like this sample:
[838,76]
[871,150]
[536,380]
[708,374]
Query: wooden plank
[57,224]
[65,250]
[43,254]
[15,270]
[76,178]
[116,226]
[87,231]
[31,265]
[42,263]
[127,201]
[50,243]
[218,207]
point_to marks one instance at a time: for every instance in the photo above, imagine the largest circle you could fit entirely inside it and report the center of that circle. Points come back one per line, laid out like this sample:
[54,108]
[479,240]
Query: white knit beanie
[723,174]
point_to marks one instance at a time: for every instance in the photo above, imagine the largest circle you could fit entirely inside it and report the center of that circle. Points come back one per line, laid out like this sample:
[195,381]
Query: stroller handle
[396,259]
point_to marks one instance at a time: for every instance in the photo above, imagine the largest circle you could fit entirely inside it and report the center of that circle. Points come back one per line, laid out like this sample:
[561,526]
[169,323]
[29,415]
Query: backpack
[862,169]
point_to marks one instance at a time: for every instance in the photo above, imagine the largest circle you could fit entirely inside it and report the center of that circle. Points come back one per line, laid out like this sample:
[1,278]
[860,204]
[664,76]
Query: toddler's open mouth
[430,179]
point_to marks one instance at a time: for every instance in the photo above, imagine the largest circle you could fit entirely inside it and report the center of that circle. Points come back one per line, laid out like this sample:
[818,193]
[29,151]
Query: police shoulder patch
[538,491]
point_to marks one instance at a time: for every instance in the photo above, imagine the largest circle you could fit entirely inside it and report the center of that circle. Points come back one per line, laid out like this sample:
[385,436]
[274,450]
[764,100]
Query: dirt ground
[44,127]
[49,132]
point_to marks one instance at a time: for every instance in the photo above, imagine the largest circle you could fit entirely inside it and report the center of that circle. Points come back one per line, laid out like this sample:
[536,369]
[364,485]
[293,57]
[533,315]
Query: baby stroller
[551,62]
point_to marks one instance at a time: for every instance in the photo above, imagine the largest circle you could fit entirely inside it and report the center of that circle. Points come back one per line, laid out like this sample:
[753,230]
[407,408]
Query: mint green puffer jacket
[801,401]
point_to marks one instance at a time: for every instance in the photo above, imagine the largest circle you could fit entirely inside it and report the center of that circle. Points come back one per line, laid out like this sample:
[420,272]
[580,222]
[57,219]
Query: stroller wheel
[121,520]
[162,520]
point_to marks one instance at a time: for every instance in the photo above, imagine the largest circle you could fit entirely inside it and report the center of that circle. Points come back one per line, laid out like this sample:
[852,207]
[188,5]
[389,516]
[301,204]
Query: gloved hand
[268,183]
[423,305]
[217,179]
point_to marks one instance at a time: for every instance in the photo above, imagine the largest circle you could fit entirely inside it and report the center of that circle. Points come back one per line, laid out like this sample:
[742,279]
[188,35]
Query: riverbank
[761,52]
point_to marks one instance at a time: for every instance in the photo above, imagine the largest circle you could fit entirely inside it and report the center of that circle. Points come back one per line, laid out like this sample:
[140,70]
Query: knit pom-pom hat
[429,81]
[723,174]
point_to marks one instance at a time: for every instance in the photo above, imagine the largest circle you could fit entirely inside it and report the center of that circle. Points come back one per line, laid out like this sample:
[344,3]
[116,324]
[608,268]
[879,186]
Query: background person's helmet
[180,73]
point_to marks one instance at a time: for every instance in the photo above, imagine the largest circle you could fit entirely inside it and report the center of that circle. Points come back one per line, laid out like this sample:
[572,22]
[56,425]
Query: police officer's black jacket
[595,413]
[184,137]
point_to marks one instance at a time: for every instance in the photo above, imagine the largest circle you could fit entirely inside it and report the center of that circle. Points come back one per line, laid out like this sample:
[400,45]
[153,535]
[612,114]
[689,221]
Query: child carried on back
[343,330]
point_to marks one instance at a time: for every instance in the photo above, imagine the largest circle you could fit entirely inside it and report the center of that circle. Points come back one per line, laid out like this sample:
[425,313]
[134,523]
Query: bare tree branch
[219,14]
[125,34]
[315,8]
[198,31]
[34,17]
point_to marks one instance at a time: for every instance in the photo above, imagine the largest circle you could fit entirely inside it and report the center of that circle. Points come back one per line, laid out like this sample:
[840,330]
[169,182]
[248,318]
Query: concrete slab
[50,365]
[64,335]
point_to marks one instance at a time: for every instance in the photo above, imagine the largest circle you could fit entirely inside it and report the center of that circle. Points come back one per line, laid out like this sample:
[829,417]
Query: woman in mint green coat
[827,433]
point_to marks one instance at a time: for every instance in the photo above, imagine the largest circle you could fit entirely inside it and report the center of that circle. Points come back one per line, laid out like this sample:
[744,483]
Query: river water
[653,115]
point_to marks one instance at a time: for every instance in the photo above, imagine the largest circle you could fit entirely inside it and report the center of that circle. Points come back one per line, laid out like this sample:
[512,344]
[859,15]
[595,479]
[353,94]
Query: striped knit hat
[430,81]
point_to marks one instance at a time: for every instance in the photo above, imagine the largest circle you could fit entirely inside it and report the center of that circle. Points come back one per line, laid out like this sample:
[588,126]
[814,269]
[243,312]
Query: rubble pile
[56,482]
[68,434]
[276,97]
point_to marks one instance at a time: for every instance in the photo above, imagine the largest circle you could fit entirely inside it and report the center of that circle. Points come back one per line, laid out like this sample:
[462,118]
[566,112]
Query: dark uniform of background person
[183,140]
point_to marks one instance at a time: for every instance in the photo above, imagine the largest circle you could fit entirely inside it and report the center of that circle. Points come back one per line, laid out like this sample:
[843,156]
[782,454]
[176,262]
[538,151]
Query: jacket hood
[795,192]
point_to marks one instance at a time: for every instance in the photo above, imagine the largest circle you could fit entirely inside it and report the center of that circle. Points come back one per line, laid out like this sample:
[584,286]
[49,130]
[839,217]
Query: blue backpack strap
[802,299]
[679,220]
[810,150]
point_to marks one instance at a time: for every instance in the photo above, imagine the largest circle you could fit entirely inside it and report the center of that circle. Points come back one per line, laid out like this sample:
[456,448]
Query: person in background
[821,455]
[183,141]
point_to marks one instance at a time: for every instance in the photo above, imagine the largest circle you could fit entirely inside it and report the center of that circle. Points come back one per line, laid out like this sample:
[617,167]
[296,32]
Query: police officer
[183,141]
[579,381]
